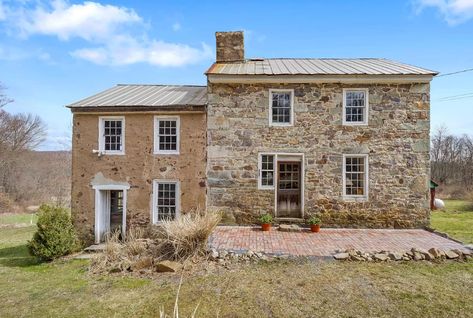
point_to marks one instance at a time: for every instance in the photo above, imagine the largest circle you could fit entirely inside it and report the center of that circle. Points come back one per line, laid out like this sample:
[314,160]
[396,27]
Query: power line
[457,72]
[454,97]
[460,96]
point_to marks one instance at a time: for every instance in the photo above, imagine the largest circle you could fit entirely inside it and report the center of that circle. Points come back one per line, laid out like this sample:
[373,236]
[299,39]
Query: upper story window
[355,176]
[166,135]
[281,105]
[266,171]
[355,106]
[112,135]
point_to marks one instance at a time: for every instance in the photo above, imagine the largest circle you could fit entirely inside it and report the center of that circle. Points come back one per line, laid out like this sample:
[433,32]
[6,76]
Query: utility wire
[455,97]
[452,98]
[457,72]
[461,96]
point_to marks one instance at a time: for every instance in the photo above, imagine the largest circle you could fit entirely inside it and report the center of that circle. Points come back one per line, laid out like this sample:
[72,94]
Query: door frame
[101,204]
[276,187]
[286,156]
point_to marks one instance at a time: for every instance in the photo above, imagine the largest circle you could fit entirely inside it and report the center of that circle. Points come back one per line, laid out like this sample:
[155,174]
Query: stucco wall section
[138,167]
[396,140]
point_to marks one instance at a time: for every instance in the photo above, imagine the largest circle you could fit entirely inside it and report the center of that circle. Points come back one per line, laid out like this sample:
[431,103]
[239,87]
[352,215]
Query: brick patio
[326,242]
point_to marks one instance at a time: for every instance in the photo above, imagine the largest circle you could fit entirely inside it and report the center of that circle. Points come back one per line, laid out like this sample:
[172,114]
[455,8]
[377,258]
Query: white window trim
[270,110]
[102,137]
[156,135]
[367,107]
[154,210]
[365,196]
[260,169]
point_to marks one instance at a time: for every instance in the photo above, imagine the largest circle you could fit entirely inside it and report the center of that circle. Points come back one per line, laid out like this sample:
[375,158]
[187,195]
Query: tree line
[452,160]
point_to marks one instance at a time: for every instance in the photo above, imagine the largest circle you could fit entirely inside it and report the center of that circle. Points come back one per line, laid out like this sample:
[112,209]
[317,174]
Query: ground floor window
[355,176]
[266,171]
[166,200]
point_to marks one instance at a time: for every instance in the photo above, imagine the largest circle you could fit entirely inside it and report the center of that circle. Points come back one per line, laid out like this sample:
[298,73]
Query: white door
[102,215]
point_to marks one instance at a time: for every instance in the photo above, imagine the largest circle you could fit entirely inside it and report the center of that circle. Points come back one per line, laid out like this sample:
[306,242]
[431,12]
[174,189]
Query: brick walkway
[324,243]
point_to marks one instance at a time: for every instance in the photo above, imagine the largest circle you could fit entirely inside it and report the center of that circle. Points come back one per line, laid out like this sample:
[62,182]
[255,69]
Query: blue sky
[53,53]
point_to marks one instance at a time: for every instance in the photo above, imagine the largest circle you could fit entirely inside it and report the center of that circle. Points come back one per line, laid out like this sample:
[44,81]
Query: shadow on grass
[17,256]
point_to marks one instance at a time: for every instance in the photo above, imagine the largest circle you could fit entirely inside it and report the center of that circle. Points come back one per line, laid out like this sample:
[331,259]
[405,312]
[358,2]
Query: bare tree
[452,160]
[20,131]
[19,134]
[4,99]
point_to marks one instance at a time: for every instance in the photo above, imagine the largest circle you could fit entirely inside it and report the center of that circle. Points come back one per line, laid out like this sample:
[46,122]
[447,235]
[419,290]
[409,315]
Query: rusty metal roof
[146,95]
[308,66]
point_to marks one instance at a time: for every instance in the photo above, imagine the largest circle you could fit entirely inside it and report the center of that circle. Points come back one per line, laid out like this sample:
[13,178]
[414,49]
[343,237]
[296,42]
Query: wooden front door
[289,189]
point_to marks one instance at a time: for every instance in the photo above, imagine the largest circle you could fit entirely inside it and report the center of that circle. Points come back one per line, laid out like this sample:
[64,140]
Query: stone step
[96,248]
[84,256]
[290,228]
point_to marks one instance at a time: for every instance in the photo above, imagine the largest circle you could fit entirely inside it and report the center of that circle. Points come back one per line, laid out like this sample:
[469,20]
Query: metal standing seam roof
[146,95]
[308,66]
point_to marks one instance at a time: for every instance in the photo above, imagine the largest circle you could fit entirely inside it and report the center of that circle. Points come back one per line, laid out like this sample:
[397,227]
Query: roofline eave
[301,78]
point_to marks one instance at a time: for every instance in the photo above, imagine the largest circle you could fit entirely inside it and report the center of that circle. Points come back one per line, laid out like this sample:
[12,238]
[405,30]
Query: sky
[53,53]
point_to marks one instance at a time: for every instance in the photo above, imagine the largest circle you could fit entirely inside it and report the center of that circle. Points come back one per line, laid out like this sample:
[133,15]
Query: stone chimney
[230,47]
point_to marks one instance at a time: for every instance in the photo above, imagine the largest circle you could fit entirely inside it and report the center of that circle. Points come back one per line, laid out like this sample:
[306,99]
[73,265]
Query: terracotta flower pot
[266,226]
[315,228]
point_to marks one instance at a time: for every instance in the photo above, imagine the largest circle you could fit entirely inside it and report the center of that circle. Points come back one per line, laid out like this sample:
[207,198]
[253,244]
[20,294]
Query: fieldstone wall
[396,140]
[138,167]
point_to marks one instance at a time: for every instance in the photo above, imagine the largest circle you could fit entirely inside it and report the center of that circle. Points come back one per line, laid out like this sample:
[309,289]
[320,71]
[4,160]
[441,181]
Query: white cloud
[453,11]
[176,26]
[126,50]
[89,21]
[116,35]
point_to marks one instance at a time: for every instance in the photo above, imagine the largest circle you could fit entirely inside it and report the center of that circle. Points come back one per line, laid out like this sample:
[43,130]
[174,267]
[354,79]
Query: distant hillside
[38,176]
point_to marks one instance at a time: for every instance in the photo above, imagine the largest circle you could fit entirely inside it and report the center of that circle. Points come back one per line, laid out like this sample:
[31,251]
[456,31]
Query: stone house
[347,139]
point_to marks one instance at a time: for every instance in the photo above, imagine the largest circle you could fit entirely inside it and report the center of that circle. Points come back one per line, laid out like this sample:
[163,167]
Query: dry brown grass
[187,236]
[119,255]
[179,240]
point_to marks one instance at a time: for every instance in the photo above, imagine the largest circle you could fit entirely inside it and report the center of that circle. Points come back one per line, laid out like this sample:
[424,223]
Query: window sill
[281,125]
[265,188]
[355,198]
[354,124]
[108,153]
[162,153]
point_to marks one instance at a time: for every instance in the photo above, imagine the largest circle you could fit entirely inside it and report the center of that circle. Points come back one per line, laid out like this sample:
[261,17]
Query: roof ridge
[314,58]
[163,85]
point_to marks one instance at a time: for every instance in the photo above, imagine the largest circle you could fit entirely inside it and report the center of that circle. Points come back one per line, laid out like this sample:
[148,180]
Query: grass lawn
[456,220]
[307,289]
[15,218]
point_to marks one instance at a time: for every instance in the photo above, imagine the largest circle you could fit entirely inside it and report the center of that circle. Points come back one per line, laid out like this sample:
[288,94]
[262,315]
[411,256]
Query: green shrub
[314,220]
[266,218]
[55,236]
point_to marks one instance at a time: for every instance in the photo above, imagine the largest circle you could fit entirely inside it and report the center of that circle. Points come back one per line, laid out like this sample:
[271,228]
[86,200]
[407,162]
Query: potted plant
[314,222]
[266,220]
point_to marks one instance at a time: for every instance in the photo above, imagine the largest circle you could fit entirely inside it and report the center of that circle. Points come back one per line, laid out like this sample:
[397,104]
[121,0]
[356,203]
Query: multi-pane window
[166,200]
[267,171]
[355,106]
[355,175]
[281,107]
[167,135]
[116,209]
[116,202]
[112,135]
